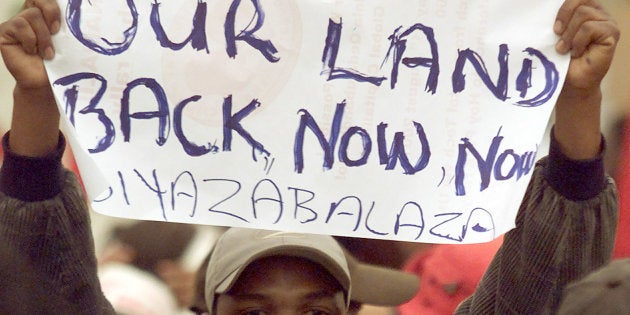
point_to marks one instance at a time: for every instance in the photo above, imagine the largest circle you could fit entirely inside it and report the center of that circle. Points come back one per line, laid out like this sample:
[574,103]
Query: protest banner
[394,119]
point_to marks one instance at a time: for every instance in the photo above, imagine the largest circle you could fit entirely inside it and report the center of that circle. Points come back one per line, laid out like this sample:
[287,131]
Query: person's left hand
[590,34]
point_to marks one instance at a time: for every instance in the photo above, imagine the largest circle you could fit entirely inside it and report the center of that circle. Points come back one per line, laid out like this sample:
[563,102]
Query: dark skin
[25,41]
[590,35]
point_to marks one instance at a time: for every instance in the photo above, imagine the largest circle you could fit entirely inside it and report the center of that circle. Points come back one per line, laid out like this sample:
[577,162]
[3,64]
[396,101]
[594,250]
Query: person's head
[270,271]
[604,291]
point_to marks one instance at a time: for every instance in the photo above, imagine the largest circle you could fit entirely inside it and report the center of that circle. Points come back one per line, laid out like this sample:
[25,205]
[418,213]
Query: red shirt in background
[449,273]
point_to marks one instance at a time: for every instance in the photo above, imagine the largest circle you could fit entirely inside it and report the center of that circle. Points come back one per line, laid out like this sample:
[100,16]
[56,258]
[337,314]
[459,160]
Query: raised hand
[25,40]
[590,35]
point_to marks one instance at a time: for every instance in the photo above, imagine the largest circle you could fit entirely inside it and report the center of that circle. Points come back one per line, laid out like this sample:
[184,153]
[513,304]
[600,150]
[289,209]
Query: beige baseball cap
[363,283]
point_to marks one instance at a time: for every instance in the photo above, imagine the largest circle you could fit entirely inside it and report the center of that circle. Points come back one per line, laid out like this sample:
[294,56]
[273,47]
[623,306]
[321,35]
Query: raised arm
[25,40]
[565,227]
[43,213]
[590,35]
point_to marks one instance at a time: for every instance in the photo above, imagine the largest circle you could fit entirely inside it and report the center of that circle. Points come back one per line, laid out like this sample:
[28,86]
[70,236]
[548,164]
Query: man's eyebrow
[322,294]
[248,296]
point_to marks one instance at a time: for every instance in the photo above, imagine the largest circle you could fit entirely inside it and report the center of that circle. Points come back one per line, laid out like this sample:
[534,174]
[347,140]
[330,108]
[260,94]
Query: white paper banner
[395,119]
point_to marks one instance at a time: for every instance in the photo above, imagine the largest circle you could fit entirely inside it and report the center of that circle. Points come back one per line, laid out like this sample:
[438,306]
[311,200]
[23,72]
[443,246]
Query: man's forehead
[306,296]
[285,270]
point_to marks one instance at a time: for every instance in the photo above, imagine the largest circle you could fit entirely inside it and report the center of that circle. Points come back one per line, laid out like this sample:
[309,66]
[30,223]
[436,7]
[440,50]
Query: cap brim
[380,286]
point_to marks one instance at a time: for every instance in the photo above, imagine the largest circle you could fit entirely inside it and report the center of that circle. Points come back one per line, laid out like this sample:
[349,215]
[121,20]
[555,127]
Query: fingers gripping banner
[404,120]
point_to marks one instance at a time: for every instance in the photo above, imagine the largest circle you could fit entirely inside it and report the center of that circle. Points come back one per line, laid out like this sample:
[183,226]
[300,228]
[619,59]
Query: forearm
[35,122]
[577,124]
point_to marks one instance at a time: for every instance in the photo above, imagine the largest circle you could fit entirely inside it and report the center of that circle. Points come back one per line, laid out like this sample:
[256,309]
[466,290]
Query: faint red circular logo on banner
[248,74]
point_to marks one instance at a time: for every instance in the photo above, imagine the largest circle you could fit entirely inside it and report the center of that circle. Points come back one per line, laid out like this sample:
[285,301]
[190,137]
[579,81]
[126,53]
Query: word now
[493,164]
[396,52]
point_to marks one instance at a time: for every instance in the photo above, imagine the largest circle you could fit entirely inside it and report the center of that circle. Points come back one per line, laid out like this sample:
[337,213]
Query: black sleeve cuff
[32,179]
[575,179]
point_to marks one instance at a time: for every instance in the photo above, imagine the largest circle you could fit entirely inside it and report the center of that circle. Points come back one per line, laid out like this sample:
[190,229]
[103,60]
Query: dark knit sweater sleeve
[44,216]
[565,228]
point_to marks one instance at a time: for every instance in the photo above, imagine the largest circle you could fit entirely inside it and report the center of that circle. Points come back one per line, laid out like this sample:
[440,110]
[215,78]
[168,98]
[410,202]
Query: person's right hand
[25,40]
